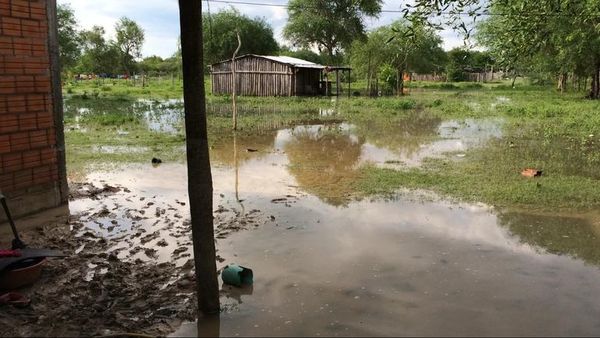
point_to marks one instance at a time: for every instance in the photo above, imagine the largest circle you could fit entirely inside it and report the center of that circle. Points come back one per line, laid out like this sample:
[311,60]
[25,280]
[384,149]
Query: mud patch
[129,270]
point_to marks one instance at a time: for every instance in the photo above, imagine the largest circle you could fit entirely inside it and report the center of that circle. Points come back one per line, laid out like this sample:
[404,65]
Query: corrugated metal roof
[292,61]
[288,60]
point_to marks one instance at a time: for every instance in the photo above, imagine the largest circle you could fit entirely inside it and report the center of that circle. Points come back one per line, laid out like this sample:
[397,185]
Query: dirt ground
[99,290]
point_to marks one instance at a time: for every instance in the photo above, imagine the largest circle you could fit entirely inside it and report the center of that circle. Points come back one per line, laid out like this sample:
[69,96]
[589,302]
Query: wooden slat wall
[255,77]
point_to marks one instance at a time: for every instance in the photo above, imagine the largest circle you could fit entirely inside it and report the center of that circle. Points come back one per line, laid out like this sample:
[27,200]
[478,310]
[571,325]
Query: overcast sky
[160,19]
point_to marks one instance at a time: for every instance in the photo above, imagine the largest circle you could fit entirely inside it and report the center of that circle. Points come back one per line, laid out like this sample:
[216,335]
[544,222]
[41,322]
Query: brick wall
[29,172]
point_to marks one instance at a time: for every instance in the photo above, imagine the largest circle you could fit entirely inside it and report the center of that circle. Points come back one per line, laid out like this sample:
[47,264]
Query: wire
[467,13]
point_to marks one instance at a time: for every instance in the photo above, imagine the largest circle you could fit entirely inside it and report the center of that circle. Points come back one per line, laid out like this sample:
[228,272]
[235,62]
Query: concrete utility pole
[200,188]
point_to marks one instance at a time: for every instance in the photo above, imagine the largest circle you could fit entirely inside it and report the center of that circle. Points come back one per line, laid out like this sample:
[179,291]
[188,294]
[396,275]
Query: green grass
[542,129]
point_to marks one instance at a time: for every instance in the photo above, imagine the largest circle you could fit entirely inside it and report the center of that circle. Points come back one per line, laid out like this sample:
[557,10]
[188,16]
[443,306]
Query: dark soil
[100,290]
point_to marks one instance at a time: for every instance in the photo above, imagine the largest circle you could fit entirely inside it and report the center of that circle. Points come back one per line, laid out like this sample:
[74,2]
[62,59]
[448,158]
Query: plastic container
[26,273]
[236,275]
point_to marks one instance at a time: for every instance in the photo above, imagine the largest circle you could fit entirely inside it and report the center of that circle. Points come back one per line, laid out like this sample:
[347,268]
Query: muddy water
[403,268]
[324,267]
[327,264]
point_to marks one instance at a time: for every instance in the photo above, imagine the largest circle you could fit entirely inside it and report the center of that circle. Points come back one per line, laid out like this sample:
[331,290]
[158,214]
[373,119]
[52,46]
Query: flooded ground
[327,261]
[327,265]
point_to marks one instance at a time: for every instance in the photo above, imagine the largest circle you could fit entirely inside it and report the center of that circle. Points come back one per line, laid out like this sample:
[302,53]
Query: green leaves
[68,39]
[328,25]
[220,39]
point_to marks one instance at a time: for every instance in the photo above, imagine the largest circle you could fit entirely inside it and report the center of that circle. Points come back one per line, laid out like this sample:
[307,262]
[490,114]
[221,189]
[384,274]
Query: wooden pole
[234,89]
[337,82]
[349,83]
[200,188]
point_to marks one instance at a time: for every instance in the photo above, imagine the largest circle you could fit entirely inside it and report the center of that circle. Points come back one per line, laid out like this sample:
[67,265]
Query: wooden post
[200,188]
[349,83]
[369,75]
[337,82]
[234,89]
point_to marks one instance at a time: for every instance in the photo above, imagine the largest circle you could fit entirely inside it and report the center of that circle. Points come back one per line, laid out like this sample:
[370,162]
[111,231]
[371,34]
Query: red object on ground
[530,172]
[14,298]
[10,253]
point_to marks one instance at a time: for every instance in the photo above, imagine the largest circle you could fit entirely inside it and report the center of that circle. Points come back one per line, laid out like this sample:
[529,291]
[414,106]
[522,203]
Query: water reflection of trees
[401,135]
[156,115]
[324,162]
[574,235]
[223,148]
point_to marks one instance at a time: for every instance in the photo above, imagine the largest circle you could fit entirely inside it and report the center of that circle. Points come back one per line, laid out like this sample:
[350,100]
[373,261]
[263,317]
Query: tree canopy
[68,38]
[387,52]
[557,37]
[303,53]
[99,56]
[554,36]
[329,26]
[130,39]
[220,36]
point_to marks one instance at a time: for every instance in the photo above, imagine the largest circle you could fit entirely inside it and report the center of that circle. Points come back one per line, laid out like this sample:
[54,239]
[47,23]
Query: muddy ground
[104,287]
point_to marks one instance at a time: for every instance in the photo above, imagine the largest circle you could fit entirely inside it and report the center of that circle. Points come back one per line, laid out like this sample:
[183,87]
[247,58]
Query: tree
[389,51]
[221,36]
[68,38]
[200,188]
[304,54]
[130,39]
[328,25]
[564,35]
[566,39]
[99,56]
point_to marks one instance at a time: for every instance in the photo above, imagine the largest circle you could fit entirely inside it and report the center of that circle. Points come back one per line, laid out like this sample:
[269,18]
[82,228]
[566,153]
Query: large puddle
[327,264]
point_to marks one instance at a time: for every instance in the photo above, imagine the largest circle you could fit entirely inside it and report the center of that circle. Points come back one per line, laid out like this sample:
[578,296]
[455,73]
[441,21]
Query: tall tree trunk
[595,91]
[401,81]
[562,82]
[200,188]
[330,54]
[398,79]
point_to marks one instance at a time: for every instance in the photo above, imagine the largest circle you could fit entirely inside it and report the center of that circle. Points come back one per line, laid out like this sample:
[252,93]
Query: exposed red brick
[27,133]
[37,5]
[6,182]
[10,123]
[31,159]
[38,139]
[11,23]
[23,178]
[4,11]
[45,120]
[30,23]
[19,142]
[52,138]
[42,174]
[27,121]
[20,8]
[48,156]
[17,106]
[12,162]
[4,144]
[7,90]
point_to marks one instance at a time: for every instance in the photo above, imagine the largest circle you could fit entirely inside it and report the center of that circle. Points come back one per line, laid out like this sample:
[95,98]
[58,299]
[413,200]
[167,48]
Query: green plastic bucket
[234,274]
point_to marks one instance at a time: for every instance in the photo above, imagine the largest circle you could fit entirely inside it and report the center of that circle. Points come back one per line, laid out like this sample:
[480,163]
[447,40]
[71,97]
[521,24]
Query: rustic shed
[260,75]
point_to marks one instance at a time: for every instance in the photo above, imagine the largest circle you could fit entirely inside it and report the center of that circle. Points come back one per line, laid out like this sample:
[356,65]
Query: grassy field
[556,133]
